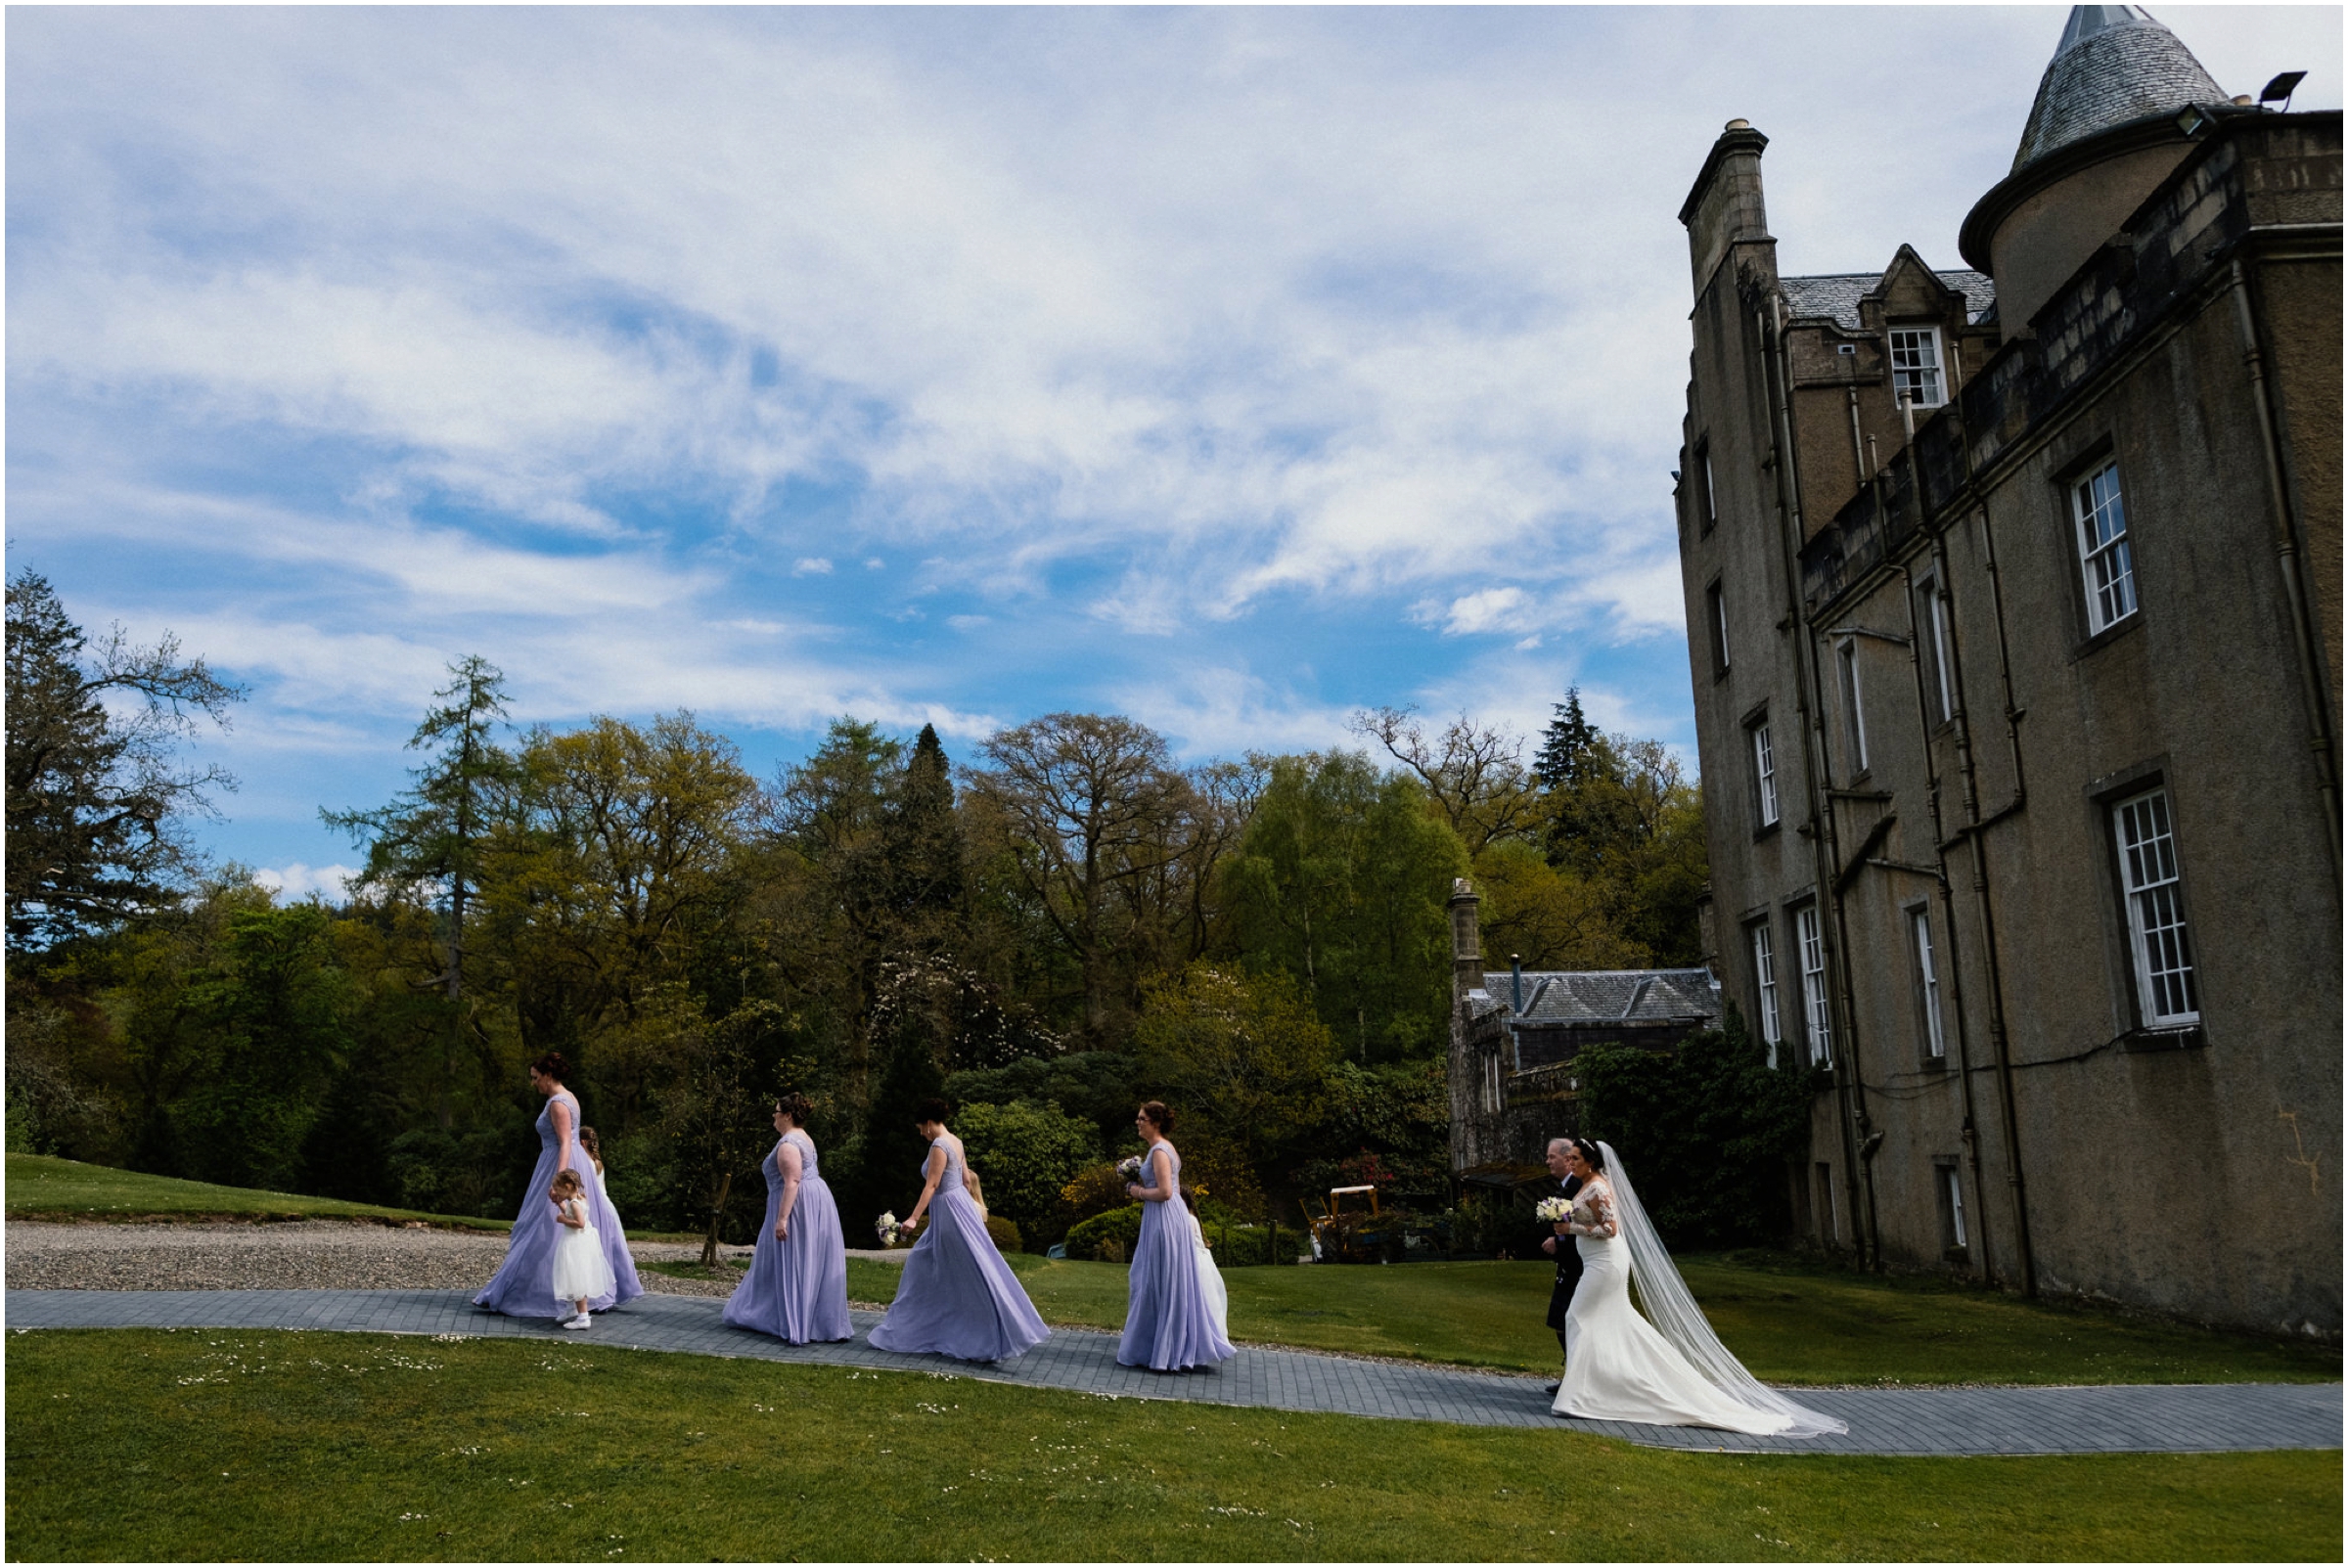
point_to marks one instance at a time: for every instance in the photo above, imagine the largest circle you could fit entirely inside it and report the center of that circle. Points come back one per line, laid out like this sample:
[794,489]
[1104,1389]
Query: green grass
[1790,1322]
[43,1187]
[155,1445]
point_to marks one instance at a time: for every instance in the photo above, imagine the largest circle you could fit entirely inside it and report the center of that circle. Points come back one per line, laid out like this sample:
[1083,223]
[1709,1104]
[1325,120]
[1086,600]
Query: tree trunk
[718,1213]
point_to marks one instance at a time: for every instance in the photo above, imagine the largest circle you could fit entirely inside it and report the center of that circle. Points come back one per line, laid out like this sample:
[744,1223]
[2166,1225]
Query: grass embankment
[1789,1322]
[42,1188]
[149,1444]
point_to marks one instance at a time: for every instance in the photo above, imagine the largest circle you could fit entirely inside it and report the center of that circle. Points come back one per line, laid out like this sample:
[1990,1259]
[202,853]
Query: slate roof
[1835,296]
[1566,997]
[2115,64]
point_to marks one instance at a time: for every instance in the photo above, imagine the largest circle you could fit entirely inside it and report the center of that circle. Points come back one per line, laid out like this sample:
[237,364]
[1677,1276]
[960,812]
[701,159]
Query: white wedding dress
[1673,1371]
[1210,1279]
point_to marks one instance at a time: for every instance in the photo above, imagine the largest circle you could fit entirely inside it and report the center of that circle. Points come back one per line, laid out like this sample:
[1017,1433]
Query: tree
[1243,1052]
[920,869]
[1706,1130]
[1553,918]
[1571,748]
[1340,881]
[1094,822]
[1025,1154]
[1473,772]
[437,832]
[94,799]
[615,869]
[273,1017]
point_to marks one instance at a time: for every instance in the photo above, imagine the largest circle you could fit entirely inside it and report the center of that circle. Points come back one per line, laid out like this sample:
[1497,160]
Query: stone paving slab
[2178,1418]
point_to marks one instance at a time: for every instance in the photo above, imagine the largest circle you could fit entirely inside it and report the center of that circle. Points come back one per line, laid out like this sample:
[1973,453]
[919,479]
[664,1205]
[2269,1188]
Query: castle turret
[2108,124]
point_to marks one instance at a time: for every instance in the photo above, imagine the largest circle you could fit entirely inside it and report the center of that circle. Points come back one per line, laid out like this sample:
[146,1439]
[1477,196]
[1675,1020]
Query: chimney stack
[1467,946]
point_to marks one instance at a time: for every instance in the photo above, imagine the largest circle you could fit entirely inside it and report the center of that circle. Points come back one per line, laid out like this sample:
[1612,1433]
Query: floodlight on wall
[2280,89]
[2194,120]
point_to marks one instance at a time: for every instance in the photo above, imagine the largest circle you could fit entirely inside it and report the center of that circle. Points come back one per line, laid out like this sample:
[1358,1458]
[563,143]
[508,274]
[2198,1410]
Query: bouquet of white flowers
[888,1227]
[1554,1211]
[1130,1167]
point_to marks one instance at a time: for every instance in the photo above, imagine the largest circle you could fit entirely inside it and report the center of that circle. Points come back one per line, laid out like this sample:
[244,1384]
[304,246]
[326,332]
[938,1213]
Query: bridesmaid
[523,1285]
[798,1286]
[1169,1319]
[957,1297]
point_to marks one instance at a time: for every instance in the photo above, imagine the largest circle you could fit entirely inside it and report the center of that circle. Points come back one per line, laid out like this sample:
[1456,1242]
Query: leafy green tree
[1341,880]
[1553,918]
[1025,1154]
[615,870]
[273,1015]
[1243,1052]
[95,800]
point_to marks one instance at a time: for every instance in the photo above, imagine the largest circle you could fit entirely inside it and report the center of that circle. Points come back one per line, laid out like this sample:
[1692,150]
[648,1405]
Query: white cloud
[294,882]
[811,566]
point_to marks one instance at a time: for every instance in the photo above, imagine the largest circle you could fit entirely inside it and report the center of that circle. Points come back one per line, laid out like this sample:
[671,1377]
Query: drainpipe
[1809,701]
[2001,1043]
[2000,1037]
[1969,1130]
[2286,558]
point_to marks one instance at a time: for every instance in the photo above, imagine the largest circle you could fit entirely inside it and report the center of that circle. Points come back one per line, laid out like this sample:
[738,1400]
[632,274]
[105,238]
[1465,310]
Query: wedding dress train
[1672,1372]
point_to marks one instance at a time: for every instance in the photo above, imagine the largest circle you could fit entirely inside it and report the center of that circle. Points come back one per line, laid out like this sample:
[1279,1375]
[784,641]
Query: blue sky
[1231,369]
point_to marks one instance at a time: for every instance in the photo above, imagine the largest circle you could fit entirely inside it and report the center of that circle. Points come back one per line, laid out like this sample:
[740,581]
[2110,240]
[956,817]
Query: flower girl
[581,1271]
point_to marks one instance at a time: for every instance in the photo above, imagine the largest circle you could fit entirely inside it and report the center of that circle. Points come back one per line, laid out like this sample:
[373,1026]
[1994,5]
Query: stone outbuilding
[2015,604]
[1514,1038]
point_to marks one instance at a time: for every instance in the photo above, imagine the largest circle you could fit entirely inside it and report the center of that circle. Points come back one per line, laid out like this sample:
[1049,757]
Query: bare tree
[1475,772]
[1097,823]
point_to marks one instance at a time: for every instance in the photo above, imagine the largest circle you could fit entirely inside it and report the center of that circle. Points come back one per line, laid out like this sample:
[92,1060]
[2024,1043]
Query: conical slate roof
[2114,65]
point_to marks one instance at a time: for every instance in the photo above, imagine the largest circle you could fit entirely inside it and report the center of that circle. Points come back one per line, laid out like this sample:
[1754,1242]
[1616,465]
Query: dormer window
[1916,366]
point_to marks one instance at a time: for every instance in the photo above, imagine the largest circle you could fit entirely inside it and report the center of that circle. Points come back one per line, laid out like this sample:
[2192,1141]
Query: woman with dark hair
[1664,1367]
[524,1284]
[797,1288]
[957,1296]
[1170,1321]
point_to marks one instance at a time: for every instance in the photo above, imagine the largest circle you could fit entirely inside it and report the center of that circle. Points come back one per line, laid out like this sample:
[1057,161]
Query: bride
[1673,1371]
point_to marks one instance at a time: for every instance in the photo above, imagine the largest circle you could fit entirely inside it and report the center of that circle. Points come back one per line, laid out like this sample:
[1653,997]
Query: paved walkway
[2148,1419]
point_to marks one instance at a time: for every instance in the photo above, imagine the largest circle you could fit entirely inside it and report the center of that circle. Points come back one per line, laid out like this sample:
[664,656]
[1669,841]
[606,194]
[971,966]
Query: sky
[1231,369]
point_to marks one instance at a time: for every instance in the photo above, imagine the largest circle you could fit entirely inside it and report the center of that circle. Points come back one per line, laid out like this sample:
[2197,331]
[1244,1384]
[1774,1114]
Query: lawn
[42,1188]
[150,1444]
[1789,1322]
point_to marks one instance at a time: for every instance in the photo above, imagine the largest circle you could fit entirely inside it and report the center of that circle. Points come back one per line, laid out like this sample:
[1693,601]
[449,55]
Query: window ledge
[2109,635]
[2165,1037]
[1768,829]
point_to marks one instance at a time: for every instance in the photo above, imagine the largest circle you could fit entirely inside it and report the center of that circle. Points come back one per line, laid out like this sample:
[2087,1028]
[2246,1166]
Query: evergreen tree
[93,797]
[1568,746]
[921,851]
[435,832]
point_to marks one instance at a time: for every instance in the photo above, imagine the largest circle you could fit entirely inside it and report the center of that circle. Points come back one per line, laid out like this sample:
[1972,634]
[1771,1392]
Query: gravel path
[290,1255]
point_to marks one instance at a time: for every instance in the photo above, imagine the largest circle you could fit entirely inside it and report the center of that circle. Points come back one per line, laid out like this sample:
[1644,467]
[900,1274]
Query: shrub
[1005,1234]
[1118,1227]
[1025,1154]
[1704,1133]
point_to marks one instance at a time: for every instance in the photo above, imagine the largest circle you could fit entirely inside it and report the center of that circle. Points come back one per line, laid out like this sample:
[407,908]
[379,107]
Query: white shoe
[582,1321]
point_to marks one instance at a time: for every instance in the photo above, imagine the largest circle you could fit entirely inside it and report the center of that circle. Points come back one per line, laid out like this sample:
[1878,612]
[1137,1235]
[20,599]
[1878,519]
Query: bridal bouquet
[1554,1211]
[1130,1167]
[888,1227]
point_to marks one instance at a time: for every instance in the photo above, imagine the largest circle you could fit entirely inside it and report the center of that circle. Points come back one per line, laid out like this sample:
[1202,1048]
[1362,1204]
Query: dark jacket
[1569,1266]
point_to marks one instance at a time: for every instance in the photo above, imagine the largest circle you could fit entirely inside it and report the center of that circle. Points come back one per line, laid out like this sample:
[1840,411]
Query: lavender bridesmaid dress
[523,1285]
[1169,1323]
[797,1289]
[957,1297]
